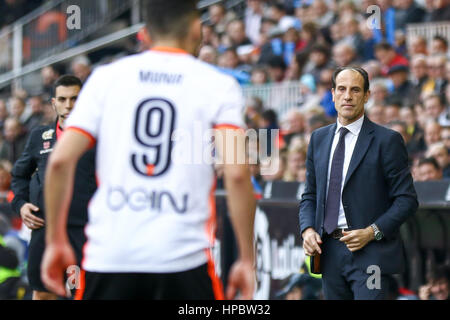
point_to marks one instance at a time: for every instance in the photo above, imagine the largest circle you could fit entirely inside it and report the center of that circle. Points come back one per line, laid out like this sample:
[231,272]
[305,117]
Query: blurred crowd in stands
[276,42]
[12,10]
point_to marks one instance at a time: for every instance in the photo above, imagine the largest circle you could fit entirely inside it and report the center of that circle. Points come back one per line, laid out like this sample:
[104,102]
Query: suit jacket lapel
[362,145]
[325,158]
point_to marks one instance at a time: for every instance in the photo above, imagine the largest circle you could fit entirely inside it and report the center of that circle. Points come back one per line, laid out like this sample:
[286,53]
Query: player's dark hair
[169,17]
[394,101]
[441,39]
[360,70]
[431,161]
[320,48]
[270,115]
[66,81]
[435,96]
[278,6]
[439,272]
[276,62]
[398,123]
[383,46]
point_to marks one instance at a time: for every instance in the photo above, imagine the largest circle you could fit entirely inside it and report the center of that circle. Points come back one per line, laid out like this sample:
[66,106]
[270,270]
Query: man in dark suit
[28,184]
[359,191]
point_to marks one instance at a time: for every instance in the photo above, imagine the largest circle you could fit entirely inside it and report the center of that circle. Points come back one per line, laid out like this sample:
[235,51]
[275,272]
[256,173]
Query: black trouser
[193,284]
[342,279]
[36,250]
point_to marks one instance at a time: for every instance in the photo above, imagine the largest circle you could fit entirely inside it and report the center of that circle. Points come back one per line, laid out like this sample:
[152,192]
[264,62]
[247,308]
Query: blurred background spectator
[279,49]
[429,170]
[437,286]
[301,286]
[14,9]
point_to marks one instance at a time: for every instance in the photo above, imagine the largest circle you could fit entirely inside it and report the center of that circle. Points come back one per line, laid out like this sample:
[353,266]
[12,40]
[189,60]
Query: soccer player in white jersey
[149,230]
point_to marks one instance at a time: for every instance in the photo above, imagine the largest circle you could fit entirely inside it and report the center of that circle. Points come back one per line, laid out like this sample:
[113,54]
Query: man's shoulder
[382,132]
[379,128]
[323,130]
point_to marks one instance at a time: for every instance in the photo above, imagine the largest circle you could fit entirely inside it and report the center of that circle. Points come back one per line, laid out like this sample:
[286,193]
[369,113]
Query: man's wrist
[21,204]
[370,233]
[377,232]
[306,230]
[55,236]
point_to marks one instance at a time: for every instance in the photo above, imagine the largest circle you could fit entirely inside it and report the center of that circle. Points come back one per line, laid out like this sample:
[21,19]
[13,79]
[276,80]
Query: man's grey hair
[83,60]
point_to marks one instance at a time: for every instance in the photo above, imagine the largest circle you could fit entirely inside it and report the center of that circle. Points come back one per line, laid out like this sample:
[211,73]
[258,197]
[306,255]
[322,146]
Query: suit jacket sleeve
[308,203]
[21,175]
[400,185]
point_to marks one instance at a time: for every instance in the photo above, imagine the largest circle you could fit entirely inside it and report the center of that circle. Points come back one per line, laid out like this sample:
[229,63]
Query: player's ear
[196,30]
[366,96]
[54,104]
[144,36]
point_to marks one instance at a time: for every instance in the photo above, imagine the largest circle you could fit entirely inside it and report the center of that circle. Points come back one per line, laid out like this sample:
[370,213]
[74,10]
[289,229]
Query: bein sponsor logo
[140,199]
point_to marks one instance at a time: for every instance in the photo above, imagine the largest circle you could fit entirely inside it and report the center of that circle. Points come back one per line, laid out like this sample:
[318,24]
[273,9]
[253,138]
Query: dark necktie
[334,187]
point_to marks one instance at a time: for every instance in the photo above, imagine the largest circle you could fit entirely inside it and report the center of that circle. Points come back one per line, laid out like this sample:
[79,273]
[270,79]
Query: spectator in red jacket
[388,58]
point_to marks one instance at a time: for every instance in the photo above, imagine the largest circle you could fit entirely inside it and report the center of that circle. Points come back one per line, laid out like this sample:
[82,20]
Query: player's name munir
[160,77]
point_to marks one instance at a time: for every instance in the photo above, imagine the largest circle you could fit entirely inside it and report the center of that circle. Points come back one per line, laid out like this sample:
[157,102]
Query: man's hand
[425,292]
[57,257]
[29,219]
[242,278]
[311,242]
[357,239]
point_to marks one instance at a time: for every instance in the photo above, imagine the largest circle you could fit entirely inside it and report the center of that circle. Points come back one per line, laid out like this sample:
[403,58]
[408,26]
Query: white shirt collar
[354,127]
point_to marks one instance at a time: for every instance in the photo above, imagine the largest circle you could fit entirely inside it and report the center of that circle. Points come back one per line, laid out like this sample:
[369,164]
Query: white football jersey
[150,114]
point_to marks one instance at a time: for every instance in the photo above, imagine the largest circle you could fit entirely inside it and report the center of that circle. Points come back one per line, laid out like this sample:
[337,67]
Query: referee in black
[28,185]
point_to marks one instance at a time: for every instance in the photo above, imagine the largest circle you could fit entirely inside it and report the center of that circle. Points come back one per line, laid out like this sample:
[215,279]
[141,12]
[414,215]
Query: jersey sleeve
[86,115]
[230,112]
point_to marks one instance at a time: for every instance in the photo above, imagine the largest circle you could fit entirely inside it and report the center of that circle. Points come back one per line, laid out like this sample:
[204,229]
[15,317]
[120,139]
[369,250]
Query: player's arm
[230,146]
[59,180]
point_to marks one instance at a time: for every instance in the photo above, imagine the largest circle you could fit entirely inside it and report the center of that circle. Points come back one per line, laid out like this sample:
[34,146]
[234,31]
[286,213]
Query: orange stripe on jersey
[150,169]
[210,231]
[168,50]
[216,282]
[97,180]
[80,291]
[227,126]
[10,196]
[85,133]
